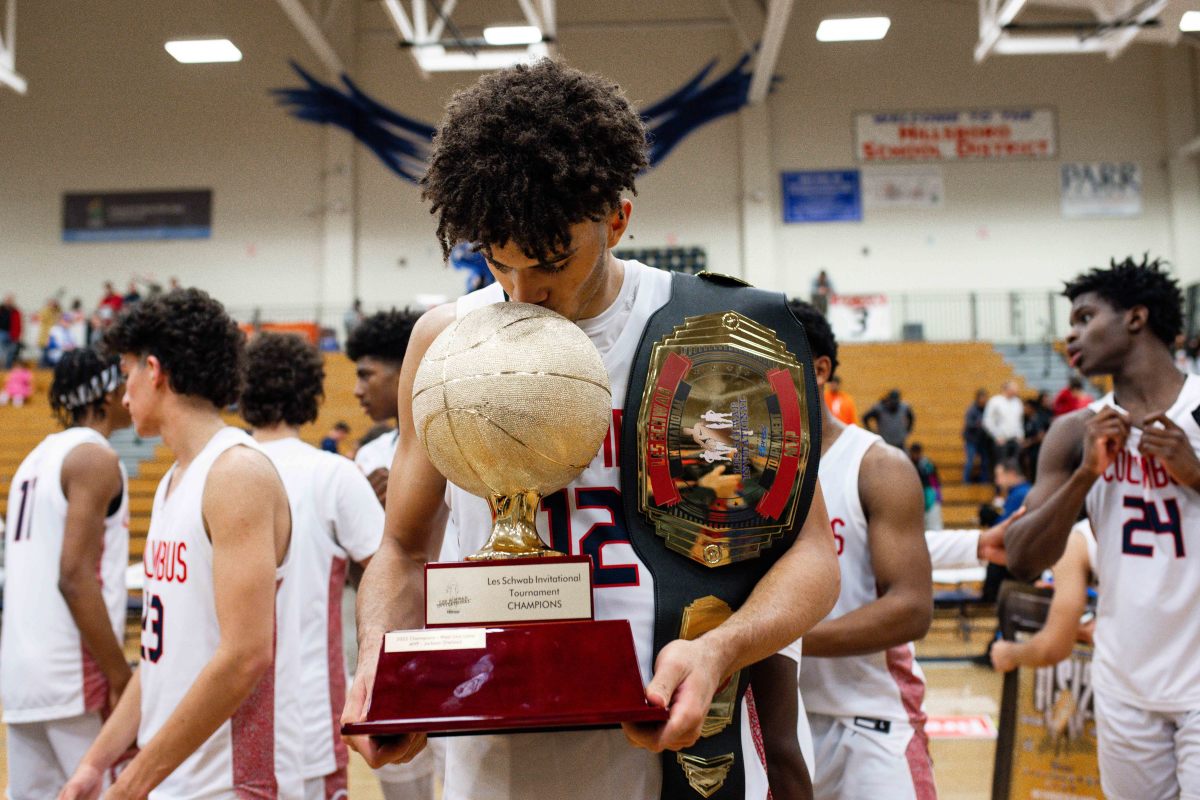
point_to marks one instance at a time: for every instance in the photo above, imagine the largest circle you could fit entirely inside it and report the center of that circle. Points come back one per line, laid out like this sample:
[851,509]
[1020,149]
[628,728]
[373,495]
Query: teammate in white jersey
[336,520]
[531,163]
[202,704]
[376,346]
[1131,460]
[62,665]
[860,681]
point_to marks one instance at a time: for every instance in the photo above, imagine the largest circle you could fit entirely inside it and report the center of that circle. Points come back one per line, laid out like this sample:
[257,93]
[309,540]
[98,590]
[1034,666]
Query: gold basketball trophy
[511,402]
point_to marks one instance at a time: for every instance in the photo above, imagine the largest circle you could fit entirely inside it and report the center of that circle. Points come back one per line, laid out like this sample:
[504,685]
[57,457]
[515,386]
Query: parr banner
[1101,189]
[1047,744]
[987,134]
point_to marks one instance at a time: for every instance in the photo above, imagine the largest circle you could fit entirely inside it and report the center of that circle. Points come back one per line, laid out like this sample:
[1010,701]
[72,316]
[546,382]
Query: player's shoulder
[242,463]
[882,459]
[429,325]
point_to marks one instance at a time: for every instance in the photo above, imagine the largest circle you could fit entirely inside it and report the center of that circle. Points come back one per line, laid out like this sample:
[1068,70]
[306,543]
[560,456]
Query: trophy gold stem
[514,534]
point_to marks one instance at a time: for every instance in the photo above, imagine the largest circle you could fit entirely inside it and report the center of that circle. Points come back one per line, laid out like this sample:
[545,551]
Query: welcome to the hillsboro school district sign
[984,133]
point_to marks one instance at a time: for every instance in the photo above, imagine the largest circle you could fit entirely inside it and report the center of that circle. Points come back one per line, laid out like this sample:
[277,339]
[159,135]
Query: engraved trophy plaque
[511,403]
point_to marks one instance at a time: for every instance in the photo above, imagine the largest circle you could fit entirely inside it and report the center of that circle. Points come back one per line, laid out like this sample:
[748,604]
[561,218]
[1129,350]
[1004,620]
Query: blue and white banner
[822,196]
[1101,189]
[137,216]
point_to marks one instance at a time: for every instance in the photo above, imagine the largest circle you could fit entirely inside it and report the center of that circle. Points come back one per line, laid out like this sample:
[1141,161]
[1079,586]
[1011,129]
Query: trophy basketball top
[512,402]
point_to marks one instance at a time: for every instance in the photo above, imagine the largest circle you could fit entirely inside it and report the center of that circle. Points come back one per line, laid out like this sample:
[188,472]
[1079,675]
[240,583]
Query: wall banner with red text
[978,134]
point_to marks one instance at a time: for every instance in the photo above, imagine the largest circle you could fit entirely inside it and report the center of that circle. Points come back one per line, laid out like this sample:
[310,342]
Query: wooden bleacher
[939,381]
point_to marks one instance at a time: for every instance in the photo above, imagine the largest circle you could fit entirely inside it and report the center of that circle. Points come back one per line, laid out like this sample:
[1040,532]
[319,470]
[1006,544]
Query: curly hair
[82,381]
[529,151]
[821,340]
[200,347]
[284,382]
[383,335]
[1128,283]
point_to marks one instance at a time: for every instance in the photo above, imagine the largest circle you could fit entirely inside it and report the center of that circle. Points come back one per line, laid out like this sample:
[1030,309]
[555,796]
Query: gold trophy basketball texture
[511,402]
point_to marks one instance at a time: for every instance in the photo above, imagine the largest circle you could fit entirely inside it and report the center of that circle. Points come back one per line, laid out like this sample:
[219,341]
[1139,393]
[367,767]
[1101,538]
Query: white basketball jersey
[584,518]
[335,519]
[377,453]
[1147,530]
[45,671]
[878,686]
[256,753]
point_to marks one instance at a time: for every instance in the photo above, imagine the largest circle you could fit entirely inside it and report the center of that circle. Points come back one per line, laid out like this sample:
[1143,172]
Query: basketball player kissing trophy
[511,402]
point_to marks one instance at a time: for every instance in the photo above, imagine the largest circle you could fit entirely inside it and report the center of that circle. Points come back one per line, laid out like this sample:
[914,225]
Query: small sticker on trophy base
[521,590]
[440,639]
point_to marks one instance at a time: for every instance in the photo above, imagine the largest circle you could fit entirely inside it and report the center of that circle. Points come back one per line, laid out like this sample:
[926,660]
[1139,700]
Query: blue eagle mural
[403,143]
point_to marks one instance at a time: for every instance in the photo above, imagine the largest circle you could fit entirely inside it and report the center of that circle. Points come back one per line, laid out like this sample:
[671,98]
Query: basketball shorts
[1147,755]
[42,756]
[859,758]
[333,786]
[416,779]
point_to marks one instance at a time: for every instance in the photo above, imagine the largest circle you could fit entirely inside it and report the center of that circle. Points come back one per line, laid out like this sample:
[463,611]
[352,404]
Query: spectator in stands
[977,442]
[334,438]
[6,340]
[893,419]
[822,290]
[58,341]
[1038,416]
[46,319]
[1004,420]
[1071,398]
[839,403]
[79,327]
[18,386]
[931,485]
[352,317]
[131,296]
[1012,487]
[16,328]
[111,299]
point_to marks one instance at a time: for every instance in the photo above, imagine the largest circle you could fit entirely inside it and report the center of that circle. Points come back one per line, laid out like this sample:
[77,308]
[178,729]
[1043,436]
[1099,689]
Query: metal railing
[1026,316]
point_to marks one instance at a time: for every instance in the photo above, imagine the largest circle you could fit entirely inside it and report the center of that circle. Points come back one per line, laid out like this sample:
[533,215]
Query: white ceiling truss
[427,29]
[8,49]
[1030,27]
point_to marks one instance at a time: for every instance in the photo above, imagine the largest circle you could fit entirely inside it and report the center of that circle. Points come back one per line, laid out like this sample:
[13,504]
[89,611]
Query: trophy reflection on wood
[511,402]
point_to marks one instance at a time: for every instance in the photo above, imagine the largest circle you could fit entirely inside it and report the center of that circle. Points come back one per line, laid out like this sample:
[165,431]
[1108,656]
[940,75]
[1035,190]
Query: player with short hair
[377,346]
[62,664]
[860,682]
[336,520]
[1130,459]
[532,163]
[202,705]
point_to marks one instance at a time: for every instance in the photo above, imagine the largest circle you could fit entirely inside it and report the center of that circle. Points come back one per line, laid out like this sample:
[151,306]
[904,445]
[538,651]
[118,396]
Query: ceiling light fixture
[1190,22]
[203,51]
[507,35]
[853,29]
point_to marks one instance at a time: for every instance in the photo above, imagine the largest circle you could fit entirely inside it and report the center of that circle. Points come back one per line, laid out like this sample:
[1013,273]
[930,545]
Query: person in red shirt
[111,299]
[840,403]
[1071,398]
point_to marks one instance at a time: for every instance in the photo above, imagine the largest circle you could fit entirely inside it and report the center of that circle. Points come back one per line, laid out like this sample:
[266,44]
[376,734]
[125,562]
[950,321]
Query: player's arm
[1064,476]
[117,735]
[956,549]
[1056,639]
[91,479]
[242,499]
[391,595]
[775,698]
[894,504]
[795,594]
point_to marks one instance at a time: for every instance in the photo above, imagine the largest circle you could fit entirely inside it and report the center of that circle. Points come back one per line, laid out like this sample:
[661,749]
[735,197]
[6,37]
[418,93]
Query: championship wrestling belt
[727,437]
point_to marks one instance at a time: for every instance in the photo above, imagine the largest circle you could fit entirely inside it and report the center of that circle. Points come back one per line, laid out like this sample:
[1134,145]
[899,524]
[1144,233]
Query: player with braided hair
[66,546]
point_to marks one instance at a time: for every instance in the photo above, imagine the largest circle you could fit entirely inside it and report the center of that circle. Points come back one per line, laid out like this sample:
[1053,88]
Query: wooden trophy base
[508,679]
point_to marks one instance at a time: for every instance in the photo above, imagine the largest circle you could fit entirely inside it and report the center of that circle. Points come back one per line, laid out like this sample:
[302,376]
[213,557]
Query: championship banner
[987,133]
[137,216]
[1047,744]
[860,317]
